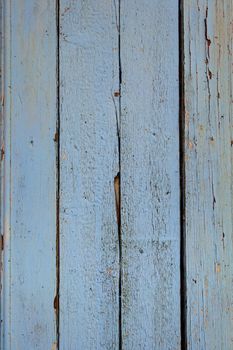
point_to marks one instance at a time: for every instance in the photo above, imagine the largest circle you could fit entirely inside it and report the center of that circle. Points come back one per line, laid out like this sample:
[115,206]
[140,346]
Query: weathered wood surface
[118,141]
[89,261]
[150,175]
[29,280]
[208,162]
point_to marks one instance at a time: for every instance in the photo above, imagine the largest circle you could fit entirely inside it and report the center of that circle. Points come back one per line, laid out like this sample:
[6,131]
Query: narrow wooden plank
[29,283]
[89,262]
[150,175]
[208,160]
[2,154]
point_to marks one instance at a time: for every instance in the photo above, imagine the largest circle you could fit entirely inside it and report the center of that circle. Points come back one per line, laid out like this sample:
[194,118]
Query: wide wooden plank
[208,163]
[29,281]
[150,175]
[89,262]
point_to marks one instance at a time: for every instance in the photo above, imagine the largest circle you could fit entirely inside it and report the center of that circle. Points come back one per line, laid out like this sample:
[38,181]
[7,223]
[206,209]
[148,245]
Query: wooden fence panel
[91,132]
[89,160]
[29,155]
[208,163]
[150,175]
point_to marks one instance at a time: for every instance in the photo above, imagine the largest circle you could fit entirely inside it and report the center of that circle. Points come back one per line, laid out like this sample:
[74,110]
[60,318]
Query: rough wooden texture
[29,281]
[119,183]
[150,175]
[89,84]
[208,161]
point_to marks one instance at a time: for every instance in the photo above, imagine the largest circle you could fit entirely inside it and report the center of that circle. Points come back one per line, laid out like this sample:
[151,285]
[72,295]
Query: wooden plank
[89,262]
[208,161]
[2,154]
[29,281]
[150,175]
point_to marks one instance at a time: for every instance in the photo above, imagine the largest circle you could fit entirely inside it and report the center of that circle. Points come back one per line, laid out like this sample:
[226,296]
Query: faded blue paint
[150,197]
[107,128]
[89,261]
[29,278]
[208,160]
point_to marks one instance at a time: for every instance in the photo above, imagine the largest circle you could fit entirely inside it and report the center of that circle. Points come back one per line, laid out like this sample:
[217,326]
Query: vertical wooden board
[150,175]
[89,262]
[1,150]
[29,281]
[208,162]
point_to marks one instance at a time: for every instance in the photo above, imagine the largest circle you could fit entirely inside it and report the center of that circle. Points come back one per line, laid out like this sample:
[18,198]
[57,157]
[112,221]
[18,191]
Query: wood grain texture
[150,175]
[29,281]
[89,261]
[208,162]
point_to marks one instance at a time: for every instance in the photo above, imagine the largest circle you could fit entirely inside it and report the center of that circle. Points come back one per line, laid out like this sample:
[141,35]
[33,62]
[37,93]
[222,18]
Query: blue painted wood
[1,152]
[150,175]
[89,261]
[208,162]
[105,130]
[29,279]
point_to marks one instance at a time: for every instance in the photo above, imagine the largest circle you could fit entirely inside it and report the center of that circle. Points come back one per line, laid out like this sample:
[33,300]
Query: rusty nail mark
[2,152]
[55,139]
[208,42]
[55,303]
[116,93]
[210,74]
[217,267]
[117,196]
